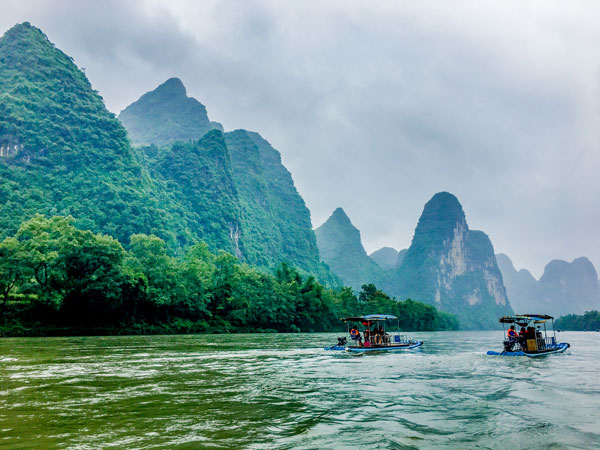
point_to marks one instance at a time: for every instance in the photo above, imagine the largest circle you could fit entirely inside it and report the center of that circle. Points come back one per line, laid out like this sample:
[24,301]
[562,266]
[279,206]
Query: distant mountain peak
[25,29]
[166,115]
[341,248]
[452,267]
[340,216]
[173,86]
[445,207]
[385,257]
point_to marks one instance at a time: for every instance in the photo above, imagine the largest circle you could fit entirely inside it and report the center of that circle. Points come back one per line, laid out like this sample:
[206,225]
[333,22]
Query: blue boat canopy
[525,318]
[369,317]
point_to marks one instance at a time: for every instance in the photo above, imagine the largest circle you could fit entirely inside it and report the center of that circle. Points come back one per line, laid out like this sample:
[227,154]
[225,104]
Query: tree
[12,270]
[40,240]
[93,276]
[197,271]
[148,258]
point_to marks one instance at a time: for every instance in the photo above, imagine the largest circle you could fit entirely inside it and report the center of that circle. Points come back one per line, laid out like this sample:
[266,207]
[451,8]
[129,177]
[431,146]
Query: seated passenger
[367,335]
[354,334]
[512,334]
[384,336]
[522,339]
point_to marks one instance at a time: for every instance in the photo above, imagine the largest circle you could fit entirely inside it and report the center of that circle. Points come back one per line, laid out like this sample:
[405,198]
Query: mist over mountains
[447,264]
[564,288]
[63,153]
[164,168]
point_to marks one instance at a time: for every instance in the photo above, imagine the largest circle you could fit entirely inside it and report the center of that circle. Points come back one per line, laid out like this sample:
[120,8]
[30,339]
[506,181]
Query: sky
[377,105]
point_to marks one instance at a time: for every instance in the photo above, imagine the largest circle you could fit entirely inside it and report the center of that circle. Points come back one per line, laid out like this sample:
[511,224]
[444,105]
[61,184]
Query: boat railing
[401,339]
[541,343]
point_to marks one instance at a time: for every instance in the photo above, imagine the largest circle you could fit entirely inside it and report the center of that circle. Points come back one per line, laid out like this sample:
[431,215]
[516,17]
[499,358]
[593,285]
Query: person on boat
[367,335]
[512,333]
[355,335]
[384,336]
[522,339]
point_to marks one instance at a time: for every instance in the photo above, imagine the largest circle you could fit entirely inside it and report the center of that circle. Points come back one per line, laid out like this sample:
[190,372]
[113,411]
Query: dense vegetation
[341,248]
[58,279]
[276,223]
[61,151]
[198,182]
[166,115]
[590,321]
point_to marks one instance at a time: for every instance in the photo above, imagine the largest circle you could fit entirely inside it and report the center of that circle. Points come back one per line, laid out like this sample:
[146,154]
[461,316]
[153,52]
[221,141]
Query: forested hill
[341,248]
[61,151]
[166,115]
[274,224]
[98,235]
[200,191]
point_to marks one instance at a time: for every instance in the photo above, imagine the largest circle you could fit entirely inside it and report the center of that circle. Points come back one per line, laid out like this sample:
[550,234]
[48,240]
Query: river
[284,391]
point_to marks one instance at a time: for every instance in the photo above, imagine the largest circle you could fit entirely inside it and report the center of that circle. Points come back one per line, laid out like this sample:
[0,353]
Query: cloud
[377,106]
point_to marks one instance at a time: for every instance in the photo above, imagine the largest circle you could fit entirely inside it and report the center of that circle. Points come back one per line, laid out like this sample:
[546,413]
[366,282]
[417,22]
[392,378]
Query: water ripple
[284,391]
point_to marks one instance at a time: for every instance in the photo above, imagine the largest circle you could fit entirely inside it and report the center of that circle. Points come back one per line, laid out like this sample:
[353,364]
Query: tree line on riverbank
[57,279]
[590,321]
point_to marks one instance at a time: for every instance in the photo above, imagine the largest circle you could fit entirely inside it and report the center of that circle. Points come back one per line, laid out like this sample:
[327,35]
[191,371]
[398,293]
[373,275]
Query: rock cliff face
[166,115]
[452,267]
[341,248]
[385,257]
[401,256]
[564,288]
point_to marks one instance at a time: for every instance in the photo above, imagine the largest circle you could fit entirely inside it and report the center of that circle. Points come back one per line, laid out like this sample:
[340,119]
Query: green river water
[284,391]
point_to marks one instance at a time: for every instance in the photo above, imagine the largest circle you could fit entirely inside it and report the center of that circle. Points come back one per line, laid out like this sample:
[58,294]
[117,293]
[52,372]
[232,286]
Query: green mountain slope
[197,179]
[342,250]
[452,267]
[61,151]
[274,223]
[166,115]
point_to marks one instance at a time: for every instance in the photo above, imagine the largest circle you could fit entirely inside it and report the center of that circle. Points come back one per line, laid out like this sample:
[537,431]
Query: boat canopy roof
[370,317]
[525,318]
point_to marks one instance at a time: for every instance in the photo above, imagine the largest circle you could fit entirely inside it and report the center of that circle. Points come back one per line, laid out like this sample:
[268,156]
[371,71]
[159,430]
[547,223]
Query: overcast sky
[377,105]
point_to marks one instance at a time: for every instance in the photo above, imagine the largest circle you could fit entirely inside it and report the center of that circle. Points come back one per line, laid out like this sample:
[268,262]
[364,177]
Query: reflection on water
[285,391]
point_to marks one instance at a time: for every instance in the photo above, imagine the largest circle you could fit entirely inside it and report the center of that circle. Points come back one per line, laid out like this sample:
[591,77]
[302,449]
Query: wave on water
[285,391]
